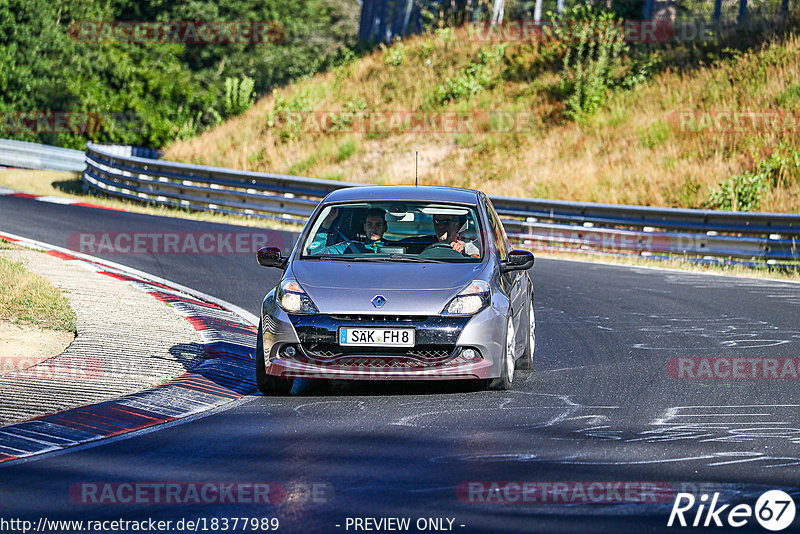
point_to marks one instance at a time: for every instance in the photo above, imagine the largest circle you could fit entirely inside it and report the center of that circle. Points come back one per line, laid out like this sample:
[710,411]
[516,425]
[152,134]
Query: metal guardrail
[34,156]
[770,237]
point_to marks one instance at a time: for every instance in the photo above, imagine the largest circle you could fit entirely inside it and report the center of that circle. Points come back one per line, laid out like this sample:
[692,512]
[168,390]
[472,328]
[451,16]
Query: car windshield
[397,231]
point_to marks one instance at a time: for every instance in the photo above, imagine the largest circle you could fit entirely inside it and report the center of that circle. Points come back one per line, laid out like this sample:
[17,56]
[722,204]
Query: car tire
[503,382]
[268,384]
[525,361]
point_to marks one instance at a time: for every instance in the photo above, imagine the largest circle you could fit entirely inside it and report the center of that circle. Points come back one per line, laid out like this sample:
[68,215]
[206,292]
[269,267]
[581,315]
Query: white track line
[246,315]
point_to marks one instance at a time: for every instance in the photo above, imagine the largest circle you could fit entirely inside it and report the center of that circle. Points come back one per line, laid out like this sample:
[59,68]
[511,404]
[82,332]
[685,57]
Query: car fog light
[289,351]
[470,355]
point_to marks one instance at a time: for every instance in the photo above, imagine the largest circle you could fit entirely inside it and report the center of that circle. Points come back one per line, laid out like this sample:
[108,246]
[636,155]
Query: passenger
[448,229]
[374,228]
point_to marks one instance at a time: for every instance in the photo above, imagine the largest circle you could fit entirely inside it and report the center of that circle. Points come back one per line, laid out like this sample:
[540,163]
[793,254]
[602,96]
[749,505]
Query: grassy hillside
[635,149]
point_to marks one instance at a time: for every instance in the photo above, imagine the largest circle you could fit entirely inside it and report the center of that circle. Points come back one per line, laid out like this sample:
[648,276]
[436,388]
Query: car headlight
[472,299]
[293,299]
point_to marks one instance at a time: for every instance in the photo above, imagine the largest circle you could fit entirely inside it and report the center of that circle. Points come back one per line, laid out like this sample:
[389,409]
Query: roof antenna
[416,165]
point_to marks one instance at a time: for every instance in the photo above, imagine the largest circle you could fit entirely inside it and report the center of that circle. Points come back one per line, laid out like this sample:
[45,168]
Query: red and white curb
[227,374]
[6,192]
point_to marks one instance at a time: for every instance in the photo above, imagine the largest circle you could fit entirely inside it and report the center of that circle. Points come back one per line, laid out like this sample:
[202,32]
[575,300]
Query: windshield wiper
[414,259]
[327,257]
[367,257]
[337,257]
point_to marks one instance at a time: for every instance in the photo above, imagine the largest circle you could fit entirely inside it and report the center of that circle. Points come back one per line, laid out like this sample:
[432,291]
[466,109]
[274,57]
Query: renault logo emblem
[378,301]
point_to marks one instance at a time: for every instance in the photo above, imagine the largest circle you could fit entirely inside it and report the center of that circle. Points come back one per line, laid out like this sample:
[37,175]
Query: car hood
[409,288]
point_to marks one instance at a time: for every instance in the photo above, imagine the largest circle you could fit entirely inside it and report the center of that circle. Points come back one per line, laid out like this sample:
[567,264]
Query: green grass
[26,298]
[346,149]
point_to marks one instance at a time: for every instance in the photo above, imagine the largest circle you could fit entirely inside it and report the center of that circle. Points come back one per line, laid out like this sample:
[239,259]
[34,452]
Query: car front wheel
[503,382]
[526,360]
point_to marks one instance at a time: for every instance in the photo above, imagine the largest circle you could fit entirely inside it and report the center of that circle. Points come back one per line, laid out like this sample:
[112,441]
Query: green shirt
[358,247]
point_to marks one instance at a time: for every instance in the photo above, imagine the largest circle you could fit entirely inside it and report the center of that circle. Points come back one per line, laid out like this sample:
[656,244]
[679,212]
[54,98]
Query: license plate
[377,337]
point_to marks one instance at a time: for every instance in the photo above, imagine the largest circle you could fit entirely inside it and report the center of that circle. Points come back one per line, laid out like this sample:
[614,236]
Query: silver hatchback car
[398,283]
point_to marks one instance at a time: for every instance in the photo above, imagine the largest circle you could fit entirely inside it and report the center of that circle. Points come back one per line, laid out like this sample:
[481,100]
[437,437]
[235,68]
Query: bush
[342,121]
[346,149]
[790,98]
[477,76]
[288,114]
[594,43]
[239,95]
[782,167]
[394,56]
[743,192]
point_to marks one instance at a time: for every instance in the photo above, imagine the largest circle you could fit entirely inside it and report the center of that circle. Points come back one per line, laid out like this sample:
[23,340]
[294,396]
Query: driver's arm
[338,248]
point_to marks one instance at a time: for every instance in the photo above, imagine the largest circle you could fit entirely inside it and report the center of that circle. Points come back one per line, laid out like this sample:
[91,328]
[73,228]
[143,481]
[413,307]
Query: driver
[374,228]
[448,228]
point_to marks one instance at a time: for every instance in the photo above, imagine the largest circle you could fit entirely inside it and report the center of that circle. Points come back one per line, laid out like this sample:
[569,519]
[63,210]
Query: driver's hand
[458,246]
[330,218]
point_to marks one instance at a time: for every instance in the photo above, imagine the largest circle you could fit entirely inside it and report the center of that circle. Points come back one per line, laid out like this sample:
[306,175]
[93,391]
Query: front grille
[361,318]
[377,363]
[322,353]
[431,354]
[423,354]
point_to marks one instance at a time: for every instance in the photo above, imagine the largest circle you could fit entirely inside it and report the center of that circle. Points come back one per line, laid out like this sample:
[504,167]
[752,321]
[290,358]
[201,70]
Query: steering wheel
[440,250]
[438,245]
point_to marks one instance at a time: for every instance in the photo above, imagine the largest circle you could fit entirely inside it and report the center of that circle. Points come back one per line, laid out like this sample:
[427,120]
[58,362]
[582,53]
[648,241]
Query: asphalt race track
[599,407]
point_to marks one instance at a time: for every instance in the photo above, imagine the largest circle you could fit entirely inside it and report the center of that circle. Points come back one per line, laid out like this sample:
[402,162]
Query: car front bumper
[447,347]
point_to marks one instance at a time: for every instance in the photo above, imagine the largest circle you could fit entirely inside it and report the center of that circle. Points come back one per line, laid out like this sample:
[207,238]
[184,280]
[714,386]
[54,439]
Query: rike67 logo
[774,510]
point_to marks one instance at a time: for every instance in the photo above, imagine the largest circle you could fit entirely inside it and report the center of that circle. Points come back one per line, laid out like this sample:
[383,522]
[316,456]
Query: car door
[512,282]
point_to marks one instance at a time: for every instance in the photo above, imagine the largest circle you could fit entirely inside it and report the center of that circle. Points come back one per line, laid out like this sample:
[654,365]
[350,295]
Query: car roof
[404,192]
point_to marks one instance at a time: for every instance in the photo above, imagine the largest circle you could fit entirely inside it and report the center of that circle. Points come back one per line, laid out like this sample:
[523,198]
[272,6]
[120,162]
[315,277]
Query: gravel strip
[126,341]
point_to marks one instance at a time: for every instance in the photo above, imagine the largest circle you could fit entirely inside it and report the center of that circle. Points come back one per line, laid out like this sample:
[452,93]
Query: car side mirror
[271,257]
[518,260]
